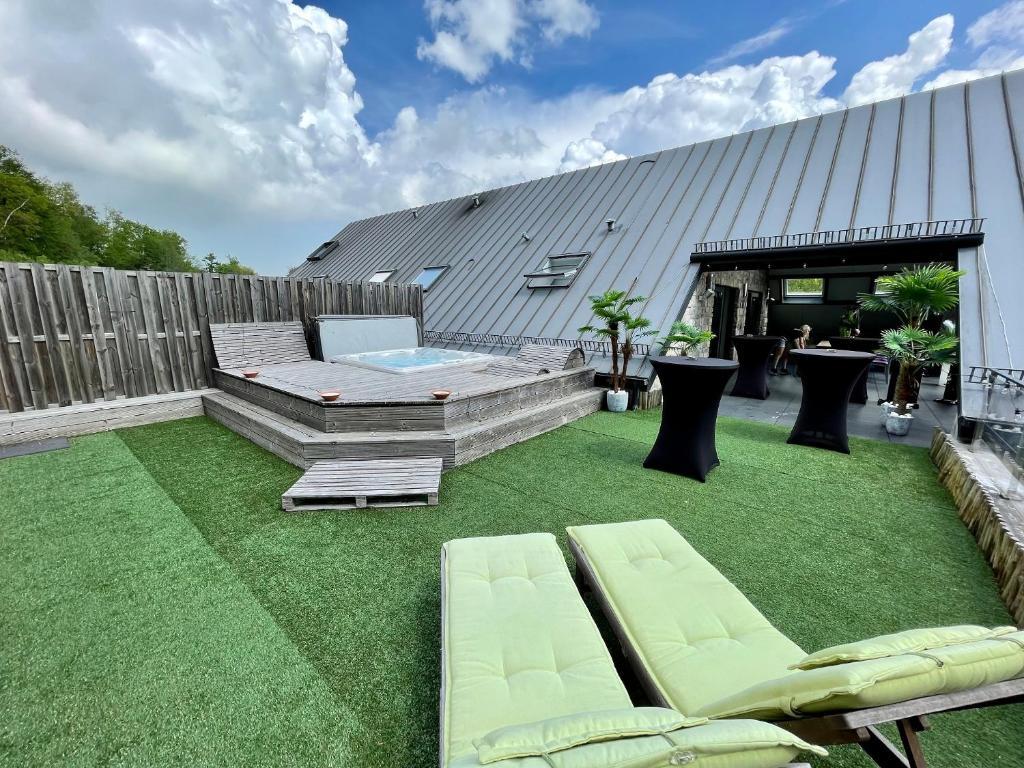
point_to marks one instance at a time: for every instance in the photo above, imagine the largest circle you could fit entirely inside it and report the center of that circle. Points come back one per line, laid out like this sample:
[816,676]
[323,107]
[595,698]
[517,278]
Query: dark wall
[840,295]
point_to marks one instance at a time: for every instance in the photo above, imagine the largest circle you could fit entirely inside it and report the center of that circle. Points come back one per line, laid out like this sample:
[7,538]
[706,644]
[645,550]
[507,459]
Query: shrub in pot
[621,329]
[913,348]
[685,337]
[914,294]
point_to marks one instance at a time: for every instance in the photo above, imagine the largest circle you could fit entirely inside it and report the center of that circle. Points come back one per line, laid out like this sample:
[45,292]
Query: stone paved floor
[862,420]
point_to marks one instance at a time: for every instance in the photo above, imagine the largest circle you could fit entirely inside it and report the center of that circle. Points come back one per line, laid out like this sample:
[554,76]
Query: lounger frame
[855,727]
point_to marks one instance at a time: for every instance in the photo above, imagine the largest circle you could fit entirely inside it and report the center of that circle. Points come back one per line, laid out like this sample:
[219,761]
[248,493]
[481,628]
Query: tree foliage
[685,337]
[47,222]
[915,293]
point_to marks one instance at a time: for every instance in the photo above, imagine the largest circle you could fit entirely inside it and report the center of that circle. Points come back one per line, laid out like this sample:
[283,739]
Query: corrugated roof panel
[755,197]
[627,208]
[737,191]
[611,250]
[780,200]
[876,189]
[951,189]
[914,167]
[843,191]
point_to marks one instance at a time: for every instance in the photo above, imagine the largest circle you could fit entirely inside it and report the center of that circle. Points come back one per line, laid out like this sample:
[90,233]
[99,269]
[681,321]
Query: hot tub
[414,359]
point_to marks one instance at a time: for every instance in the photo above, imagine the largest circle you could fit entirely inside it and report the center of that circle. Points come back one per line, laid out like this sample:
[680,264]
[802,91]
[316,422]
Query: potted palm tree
[622,329]
[913,295]
[913,348]
[685,338]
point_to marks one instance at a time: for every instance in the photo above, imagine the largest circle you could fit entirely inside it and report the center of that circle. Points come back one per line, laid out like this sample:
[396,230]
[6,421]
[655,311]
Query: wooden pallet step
[355,484]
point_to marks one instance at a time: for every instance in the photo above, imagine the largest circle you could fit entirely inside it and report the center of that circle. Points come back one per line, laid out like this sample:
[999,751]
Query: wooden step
[367,483]
[302,445]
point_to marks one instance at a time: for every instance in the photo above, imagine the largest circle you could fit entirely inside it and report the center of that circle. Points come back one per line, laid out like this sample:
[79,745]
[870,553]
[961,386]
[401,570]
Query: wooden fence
[73,334]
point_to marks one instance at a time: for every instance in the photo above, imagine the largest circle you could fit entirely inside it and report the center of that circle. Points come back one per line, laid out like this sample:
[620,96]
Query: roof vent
[476,201]
[610,223]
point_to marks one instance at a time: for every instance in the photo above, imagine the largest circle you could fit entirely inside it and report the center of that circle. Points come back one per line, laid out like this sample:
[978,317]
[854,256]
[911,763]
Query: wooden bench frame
[858,726]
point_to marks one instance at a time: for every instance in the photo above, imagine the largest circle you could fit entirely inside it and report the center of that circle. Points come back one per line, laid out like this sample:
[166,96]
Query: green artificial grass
[159,608]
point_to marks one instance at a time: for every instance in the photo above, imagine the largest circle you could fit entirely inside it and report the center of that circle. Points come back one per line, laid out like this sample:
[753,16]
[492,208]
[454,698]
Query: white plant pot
[898,424]
[887,408]
[617,401]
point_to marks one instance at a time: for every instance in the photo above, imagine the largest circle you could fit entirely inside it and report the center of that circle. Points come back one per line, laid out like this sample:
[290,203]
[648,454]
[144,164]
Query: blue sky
[258,128]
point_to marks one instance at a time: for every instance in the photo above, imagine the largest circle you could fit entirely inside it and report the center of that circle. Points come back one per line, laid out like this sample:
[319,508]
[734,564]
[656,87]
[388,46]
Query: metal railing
[917,230]
[506,340]
[1001,427]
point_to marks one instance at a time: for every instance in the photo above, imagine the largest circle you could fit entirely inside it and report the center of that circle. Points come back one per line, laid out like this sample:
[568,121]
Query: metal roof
[951,153]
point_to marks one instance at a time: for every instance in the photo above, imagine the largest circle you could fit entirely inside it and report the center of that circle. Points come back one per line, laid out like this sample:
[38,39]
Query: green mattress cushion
[718,744]
[518,641]
[696,635]
[876,682]
[898,643]
[558,733]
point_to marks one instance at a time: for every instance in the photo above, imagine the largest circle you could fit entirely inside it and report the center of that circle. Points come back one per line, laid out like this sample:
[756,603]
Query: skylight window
[428,276]
[382,276]
[322,251]
[557,271]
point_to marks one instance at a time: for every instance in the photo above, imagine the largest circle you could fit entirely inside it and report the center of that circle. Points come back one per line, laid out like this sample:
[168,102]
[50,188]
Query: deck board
[364,386]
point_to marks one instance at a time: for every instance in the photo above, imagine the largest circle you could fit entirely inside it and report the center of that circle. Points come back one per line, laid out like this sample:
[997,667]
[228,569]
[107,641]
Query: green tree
[48,222]
[230,267]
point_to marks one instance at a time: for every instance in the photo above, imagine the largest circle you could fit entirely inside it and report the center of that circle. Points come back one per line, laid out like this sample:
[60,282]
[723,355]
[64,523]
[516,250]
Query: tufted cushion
[558,733]
[898,643]
[696,635]
[719,744]
[519,644]
[710,652]
[876,682]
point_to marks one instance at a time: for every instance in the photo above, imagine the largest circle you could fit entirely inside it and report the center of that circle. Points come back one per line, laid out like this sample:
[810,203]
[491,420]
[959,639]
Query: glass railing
[1000,428]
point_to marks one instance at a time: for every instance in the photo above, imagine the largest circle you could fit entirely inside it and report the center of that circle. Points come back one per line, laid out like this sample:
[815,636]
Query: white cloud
[672,110]
[207,113]
[895,75]
[769,37]
[1005,23]
[998,36]
[471,35]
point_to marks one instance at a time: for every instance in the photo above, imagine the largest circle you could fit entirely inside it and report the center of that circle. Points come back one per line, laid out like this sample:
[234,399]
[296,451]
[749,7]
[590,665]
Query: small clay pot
[441,394]
[330,395]
[250,374]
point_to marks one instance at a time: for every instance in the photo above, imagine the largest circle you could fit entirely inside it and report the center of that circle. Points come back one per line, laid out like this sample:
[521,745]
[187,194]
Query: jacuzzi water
[415,359]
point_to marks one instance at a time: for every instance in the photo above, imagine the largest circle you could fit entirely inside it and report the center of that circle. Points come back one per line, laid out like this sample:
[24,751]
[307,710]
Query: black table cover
[691,390]
[828,376]
[754,353]
[857,344]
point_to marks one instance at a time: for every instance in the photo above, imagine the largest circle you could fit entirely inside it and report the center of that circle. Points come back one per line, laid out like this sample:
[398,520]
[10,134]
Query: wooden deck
[379,401]
[368,483]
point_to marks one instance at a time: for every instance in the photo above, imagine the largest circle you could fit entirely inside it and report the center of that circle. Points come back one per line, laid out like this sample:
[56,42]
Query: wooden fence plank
[12,373]
[47,304]
[99,336]
[125,337]
[26,339]
[66,338]
[76,332]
